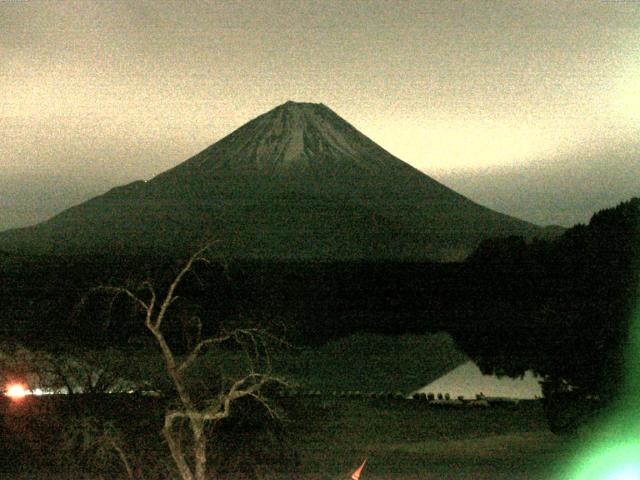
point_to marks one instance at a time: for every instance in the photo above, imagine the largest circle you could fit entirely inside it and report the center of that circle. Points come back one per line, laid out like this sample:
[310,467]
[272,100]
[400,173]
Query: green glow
[613,452]
[625,474]
[609,462]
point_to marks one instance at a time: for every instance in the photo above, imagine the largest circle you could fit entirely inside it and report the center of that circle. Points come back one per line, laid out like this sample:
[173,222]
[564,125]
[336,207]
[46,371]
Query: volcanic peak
[291,138]
[297,182]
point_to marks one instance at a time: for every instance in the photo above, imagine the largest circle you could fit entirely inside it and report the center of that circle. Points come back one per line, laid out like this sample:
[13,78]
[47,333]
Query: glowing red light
[16,391]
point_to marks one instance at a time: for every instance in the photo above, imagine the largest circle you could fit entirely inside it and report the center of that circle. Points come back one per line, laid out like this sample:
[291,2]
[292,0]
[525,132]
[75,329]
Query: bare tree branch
[117,291]
[195,352]
[198,256]
[254,343]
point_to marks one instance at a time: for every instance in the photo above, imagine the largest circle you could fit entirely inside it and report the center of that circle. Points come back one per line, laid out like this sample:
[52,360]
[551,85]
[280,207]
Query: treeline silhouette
[561,307]
[48,300]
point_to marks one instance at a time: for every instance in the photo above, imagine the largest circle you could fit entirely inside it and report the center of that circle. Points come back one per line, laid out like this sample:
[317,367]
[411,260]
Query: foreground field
[532,456]
[526,455]
[327,438]
[405,439]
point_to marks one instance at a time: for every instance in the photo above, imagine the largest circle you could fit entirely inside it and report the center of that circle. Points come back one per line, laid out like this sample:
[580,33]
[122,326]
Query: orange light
[16,391]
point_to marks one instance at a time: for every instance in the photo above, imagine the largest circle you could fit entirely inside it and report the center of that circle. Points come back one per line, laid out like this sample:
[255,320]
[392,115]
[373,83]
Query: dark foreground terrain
[318,438]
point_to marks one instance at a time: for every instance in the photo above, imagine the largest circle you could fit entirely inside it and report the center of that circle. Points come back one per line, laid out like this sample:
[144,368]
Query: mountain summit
[297,182]
[295,138]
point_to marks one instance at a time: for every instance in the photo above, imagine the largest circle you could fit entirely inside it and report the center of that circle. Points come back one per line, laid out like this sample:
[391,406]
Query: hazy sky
[104,92]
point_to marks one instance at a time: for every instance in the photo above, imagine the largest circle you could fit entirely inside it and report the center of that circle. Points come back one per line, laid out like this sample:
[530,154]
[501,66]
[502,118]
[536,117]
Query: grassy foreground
[410,439]
[322,438]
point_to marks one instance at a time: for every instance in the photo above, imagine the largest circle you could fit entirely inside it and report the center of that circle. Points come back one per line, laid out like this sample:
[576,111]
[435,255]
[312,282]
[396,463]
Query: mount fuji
[296,183]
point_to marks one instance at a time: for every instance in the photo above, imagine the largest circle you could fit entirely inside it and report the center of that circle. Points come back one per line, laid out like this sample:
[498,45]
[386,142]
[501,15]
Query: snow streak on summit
[296,183]
[294,138]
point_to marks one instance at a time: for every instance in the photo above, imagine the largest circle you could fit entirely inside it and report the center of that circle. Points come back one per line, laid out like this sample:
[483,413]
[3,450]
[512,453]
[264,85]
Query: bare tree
[82,372]
[191,459]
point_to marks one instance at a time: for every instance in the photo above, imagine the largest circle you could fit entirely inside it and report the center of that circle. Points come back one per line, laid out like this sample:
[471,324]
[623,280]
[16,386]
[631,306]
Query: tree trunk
[199,448]
[176,452]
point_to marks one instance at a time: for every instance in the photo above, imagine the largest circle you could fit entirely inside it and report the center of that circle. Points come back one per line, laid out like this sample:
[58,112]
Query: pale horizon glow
[467,381]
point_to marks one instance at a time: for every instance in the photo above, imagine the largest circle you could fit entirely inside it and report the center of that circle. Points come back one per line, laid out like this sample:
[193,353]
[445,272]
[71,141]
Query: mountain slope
[297,182]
